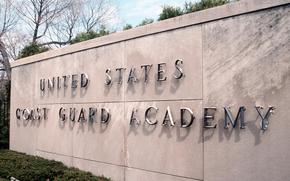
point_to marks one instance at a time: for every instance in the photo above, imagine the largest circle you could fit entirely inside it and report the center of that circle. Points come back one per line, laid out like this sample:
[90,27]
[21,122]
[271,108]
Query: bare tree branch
[94,14]
[5,59]
[40,14]
[55,22]
[7,22]
[7,17]
[15,40]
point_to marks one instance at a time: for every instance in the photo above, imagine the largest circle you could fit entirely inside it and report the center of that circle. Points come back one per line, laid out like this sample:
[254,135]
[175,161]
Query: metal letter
[72,114]
[146,71]
[58,82]
[74,81]
[168,117]
[45,110]
[265,119]
[65,79]
[132,77]
[133,117]
[84,80]
[42,84]
[105,115]
[35,114]
[120,80]
[92,114]
[182,120]
[147,112]
[50,83]
[160,72]
[26,114]
[82,116]
[62,114]
[179,69]
[18,113]
[209,117]
[32,114]
[108,80]
[240,116]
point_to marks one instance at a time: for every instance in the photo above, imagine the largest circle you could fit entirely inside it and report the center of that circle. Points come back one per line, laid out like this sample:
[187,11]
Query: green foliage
[127,27]
[4,113]
[169,12]
[32,168]
[84,36]
[103,31]
[203,4]
[32,49]
[146,21]
[189,7]
[4,131]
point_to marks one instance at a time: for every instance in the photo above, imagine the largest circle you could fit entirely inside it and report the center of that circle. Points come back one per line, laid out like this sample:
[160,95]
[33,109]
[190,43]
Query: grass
[33,168]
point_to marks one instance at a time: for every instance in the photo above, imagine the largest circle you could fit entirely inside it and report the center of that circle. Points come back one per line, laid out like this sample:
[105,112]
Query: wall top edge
[216,13]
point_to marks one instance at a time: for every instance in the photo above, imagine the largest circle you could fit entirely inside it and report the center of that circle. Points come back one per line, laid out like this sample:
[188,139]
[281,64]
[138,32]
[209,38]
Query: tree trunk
[35,33]
[4,60]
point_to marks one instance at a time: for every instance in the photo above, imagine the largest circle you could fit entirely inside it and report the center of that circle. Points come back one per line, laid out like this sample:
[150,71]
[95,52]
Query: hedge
[33,168]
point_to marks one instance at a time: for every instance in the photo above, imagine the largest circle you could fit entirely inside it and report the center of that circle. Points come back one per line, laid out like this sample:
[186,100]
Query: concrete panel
[95,141]
[94,63]
[114,172]
[142,175]
[22,93]
[246,63]
[53,135]
[98,141]
[165,149]
[184,44]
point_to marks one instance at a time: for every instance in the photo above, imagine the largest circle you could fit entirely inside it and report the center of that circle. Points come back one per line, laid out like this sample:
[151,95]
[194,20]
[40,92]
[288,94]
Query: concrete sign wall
[180,99]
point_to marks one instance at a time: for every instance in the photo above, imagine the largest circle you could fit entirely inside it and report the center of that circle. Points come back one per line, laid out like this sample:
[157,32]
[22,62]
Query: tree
[90,35]
[169,12]
[40,15]
[15,40]
[127,27]
[55,22]
[64,27]
[95,13]
[7,22]
[32,49]
[146,21]
[83,20]
[203,4]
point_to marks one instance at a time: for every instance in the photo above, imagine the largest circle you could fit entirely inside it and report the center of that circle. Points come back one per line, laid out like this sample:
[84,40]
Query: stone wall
[232,56]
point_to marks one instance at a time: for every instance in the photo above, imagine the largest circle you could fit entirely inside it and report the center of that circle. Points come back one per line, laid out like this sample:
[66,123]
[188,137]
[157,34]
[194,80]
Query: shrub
[4,113]
[169,12]
[32,49]
[103,31]
[203,4]
[146,21]
[84,36]
[127,27]
[32,168]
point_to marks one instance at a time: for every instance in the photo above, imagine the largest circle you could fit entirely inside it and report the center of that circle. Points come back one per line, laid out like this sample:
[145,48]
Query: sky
[134,11]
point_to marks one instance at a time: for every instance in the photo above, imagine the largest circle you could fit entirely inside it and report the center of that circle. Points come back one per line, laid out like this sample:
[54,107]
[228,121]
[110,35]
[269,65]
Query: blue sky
[134,11]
